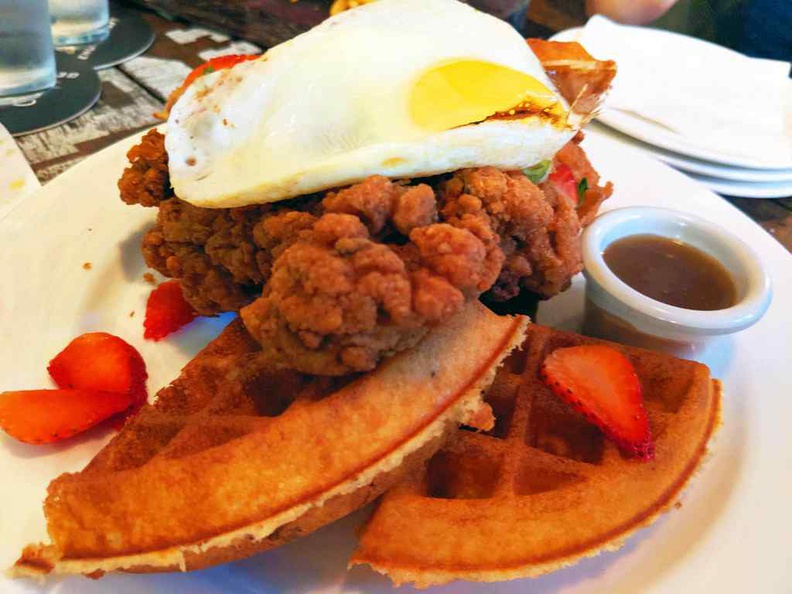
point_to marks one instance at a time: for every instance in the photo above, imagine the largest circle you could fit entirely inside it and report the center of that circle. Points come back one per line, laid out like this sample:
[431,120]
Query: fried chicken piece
[223,257]
[210,250]
[377,201]
[415,207]
[539,227]
[232,248]
[338,301]
[371,201]
[181,222]
[278,231]
[464,251]
[555,253]
[146,181]
[538,236]
[207,287]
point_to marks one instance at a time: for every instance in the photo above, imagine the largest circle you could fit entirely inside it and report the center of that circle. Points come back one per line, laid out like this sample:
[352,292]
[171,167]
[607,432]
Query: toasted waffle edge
[42,559]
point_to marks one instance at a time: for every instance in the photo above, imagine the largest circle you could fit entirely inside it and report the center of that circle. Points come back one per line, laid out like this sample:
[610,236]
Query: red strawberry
[44,416]
[100,362]
[601,383]
[166,311]
[564,181]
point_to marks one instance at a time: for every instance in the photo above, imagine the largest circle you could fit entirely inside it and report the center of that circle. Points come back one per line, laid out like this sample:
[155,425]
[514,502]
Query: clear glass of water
[75,22]
[27,58]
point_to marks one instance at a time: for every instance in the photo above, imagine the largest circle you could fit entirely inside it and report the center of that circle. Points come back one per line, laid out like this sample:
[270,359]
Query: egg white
[331,107]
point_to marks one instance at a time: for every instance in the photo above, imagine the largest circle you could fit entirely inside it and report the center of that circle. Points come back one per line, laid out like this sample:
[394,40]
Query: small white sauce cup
[616,311]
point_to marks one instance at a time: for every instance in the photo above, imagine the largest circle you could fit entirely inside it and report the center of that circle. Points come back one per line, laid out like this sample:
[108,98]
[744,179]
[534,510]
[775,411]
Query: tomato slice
[564,181]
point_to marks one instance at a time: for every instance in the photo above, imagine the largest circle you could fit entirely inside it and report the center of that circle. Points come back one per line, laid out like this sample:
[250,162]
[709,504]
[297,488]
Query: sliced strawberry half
[600,382]
[101,362]
[44,416]
[166,311]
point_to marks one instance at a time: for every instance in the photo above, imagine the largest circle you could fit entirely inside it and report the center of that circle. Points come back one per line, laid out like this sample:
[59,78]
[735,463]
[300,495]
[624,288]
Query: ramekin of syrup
[666,279]
[671,271]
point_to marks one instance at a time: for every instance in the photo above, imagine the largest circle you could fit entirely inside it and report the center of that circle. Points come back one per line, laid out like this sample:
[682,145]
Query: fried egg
[401,88]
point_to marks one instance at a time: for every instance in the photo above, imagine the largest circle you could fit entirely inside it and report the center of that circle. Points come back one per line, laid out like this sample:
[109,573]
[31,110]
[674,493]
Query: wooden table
[133,91]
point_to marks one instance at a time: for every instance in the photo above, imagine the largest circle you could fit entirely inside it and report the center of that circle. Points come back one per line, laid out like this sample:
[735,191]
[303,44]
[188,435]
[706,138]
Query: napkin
[712,97]
[17,179]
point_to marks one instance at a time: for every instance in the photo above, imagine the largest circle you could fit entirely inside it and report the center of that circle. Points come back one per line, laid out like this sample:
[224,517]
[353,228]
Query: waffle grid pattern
[543,488]
[223,395]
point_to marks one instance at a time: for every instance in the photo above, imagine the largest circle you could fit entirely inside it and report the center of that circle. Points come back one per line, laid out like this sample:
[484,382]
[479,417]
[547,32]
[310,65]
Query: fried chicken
[338,300]
[329,285]
[146,180]
[522,217]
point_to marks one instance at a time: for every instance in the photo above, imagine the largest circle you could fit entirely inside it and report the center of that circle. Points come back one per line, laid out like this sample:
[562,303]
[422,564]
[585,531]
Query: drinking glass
[75,22]
[27,58]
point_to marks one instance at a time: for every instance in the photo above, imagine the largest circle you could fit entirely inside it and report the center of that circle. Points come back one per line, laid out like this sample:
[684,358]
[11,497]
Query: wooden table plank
[775,216]
[176,50]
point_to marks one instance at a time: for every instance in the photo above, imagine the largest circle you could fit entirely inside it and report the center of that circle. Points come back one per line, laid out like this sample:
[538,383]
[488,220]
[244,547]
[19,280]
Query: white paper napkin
[714,98]
[17,179]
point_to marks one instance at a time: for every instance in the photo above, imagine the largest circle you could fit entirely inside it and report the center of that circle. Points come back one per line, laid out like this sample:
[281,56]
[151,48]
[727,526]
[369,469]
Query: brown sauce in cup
[671,272]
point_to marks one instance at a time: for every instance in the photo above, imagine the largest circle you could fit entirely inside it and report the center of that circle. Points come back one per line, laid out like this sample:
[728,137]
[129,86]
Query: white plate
[731,534]
[744,189]
[649,132]
[692,165]
[729,186]
[659,136]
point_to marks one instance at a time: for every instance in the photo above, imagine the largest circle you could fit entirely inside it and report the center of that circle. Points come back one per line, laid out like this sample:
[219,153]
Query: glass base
[23,99]
[94,36]
[30,85]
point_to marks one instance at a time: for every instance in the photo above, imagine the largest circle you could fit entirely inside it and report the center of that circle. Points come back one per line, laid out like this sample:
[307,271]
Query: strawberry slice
[600,382]
[101,362]
[166,311]
[564,181]
[213,65]
[44,416]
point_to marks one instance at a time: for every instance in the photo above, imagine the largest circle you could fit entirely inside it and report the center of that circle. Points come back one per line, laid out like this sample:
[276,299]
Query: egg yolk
[466,91]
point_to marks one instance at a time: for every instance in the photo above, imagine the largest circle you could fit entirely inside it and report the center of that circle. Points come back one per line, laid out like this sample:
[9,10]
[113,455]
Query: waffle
[582,80]
[543,488]
[235,458]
